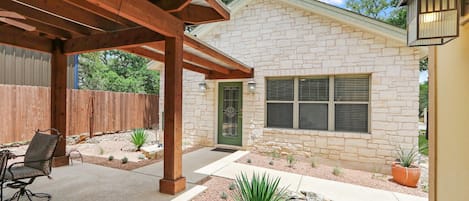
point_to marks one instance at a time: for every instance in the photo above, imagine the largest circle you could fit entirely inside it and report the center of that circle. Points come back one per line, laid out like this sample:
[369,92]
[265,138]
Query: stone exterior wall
[278,40]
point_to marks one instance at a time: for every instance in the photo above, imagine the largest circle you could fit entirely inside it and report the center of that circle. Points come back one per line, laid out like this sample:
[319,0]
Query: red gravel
[357,177]
[216,186]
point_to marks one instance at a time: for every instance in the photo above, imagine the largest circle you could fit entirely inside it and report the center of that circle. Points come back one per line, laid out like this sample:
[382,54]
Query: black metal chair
[37,162]
[4,155]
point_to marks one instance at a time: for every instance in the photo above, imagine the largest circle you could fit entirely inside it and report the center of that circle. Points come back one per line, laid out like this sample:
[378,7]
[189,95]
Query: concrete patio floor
[88,182]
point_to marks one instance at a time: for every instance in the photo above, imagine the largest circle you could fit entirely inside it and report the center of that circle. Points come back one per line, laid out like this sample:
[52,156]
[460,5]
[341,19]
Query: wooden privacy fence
[24,109]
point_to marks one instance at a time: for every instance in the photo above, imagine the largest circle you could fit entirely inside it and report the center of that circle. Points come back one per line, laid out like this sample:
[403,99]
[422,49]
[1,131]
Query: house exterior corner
[310,63]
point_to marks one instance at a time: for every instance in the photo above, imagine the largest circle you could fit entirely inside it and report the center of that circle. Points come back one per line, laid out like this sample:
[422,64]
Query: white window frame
[331,102]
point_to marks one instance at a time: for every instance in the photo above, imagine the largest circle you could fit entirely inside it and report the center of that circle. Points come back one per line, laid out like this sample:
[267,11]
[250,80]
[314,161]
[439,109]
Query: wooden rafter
[144,13]
[39,16]
[232,74]
[160,57]
[101,12]
[52,31]
[196,44]
[187,56]
[171,5]
[112,40]
[19,38]
[196,14]
[217,5]
[59,7]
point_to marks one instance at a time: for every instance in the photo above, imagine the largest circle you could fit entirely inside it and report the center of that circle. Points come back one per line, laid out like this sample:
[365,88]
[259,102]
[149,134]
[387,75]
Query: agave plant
[407,158]
[139,137]
[259,188]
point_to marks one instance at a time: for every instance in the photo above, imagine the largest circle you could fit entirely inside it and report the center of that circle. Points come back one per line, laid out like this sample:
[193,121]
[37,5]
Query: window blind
[351,89]
[314,89]
[351,117]
[280,90]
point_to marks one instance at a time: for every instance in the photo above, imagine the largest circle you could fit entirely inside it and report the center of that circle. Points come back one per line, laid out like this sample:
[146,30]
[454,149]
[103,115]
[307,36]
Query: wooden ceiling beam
[39,16]
[101,12]
[171,5]
[59,7]
[192,58]
[217,5]
[206,49]
[144,13]
[160,57]
[196,14]
[111,40]
[234,74]
[19,38]
[49,30]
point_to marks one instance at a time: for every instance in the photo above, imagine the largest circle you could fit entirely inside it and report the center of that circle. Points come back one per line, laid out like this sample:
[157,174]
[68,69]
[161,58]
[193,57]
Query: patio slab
[190,162]
[92,182]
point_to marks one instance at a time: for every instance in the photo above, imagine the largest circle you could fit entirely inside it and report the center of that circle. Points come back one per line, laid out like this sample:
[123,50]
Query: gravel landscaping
[304,167]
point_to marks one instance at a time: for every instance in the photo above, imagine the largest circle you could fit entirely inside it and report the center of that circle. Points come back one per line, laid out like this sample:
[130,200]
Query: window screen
[280,115]
[313,116]
[280,90]
[351,117]
[351,89]
[314,89]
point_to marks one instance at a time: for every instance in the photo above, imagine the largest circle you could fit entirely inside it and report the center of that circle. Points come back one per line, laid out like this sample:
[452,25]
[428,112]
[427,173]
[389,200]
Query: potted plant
[404,169]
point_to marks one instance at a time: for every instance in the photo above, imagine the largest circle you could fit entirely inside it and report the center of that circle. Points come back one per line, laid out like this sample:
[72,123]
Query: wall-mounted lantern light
[431,22]
[252,86]
[202,86]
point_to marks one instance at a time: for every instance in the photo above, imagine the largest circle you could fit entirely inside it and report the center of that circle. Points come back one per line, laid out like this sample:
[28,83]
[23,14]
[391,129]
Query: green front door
[230,115]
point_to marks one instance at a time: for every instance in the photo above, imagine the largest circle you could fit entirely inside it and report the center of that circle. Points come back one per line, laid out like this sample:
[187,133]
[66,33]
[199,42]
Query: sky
[340,3]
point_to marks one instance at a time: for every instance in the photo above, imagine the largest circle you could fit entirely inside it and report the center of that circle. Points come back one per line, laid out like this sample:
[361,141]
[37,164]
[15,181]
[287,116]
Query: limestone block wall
[278,40]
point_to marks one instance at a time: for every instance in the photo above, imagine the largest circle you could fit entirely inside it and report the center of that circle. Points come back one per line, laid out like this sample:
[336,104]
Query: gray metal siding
[25,67]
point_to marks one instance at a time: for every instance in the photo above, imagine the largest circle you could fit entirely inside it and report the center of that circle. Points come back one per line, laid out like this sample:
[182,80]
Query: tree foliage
[423,98]
[117,71]
[384,10]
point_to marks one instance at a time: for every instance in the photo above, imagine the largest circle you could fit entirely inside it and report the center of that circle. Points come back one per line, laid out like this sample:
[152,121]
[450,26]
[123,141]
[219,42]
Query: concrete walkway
[334,190]
[88,182]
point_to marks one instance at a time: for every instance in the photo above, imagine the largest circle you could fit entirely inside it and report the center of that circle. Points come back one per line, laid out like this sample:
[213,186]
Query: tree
[118,71]
[423,98]
[371,8]
[384,10]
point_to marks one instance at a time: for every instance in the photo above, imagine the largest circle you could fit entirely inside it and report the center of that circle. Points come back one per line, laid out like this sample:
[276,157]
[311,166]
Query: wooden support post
[58,100]
[173,181]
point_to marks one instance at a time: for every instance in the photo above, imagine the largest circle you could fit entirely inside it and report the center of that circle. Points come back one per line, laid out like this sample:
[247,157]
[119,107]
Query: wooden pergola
[150,28]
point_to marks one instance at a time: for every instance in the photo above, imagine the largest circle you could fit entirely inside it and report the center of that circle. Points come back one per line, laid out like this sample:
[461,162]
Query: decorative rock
[153,151]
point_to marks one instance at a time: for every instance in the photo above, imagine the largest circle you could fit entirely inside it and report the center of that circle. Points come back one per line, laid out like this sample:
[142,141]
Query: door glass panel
[230,111]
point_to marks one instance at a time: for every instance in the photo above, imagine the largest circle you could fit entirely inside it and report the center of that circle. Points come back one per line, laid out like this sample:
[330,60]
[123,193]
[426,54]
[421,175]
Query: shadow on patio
[92,182]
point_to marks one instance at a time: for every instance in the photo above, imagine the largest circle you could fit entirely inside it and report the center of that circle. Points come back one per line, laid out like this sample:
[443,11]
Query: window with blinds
[335,103]
[280,99]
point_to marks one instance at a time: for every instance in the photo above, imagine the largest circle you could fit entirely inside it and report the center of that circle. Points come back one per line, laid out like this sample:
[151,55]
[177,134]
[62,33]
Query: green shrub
[139,137]
[290,160]
[275,155]
[124,160]
[423,144]
[271,163]
[223,196]
[232,186]
[407,158]
[337,171]
[314,164]
[258,188]
[110,158]
[249,160]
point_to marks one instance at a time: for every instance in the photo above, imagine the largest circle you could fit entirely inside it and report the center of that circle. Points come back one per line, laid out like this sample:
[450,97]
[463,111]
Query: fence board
[24,109]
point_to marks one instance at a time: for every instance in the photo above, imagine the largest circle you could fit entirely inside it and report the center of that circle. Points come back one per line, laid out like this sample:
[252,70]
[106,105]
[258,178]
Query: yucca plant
[407,158]
[139,137]
[259,188]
